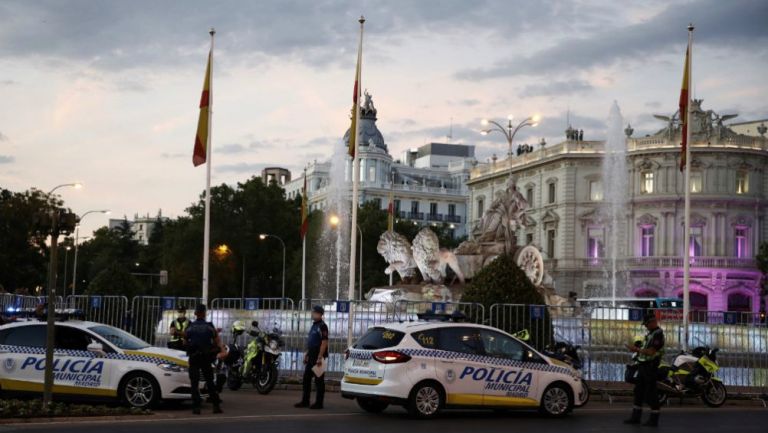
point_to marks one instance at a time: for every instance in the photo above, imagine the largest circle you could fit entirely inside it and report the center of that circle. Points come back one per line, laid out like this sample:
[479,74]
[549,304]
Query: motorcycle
[564,351]
[261,359]
[228,369]
[691,374]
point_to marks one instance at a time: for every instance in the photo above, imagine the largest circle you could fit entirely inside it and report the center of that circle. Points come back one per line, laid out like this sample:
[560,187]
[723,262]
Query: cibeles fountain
[494,235]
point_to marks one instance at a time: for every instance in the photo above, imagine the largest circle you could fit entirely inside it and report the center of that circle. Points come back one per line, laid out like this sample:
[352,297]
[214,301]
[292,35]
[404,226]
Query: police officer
[316,355]
[203,346]
[648,357]
[178,328]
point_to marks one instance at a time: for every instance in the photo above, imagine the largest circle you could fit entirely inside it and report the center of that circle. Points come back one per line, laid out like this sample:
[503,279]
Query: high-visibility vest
[180,326]
[646,344]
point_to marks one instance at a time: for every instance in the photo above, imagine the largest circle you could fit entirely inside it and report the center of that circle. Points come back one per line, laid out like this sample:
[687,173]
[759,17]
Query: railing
[654,262]
[452,218]
[434,217]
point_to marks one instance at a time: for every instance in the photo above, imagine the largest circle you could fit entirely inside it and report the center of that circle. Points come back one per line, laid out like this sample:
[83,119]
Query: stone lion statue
[431,260]
[396,250]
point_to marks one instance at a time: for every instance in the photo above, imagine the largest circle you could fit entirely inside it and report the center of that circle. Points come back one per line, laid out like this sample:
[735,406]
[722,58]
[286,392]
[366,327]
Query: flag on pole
[201,139]
[684,101]
[355,108]
[391,211]
[304,213]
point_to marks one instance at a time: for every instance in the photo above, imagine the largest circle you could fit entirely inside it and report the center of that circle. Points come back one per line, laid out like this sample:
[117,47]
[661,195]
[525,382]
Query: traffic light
[67,221]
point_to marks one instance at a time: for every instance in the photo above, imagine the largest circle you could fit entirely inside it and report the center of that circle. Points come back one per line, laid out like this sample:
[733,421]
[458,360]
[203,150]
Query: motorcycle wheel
[715,394]
[663,397]
[266,381]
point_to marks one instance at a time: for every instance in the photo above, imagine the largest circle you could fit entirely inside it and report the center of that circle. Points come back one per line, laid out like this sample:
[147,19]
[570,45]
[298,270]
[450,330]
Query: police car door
[510,384]
[461,370]
[23,357]
[78,371]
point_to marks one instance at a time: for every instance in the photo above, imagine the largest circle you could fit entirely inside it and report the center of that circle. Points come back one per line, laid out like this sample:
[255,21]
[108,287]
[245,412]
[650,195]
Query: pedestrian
[315,359]
[648,358]
[203,347]
[179,326]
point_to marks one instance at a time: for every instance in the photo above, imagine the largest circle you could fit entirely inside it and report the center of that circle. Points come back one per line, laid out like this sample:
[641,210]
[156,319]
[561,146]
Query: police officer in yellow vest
[178,328]
[648,358]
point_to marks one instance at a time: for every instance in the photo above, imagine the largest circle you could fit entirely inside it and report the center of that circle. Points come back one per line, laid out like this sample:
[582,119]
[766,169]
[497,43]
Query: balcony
[653,263]
[452,218]
[435,217]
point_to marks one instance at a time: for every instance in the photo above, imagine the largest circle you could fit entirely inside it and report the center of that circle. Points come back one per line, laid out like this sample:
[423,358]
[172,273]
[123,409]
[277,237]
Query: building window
[742,182]
[697,241]
[596,190]
[414,207]
[433,208]
[551,192]
[596,242]
[739,302]
[696,180]
[372,174]
[397,206]
[528,238]
[740,242]
[378,202]
[647,238]
[529,196]
[480,209]
[646,182]
[452,209]
[551,243]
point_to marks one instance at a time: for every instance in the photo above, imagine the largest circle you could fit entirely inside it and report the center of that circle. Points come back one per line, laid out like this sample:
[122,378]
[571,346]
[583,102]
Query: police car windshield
[119,338]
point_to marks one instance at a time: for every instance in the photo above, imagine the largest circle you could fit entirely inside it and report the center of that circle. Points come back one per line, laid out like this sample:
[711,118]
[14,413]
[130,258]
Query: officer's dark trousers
[307,383]
[202,364]
[645,387]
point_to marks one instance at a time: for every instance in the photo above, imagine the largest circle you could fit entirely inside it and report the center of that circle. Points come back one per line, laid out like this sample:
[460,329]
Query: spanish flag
[304,214]
[355,103]
[199,155]
[684,101]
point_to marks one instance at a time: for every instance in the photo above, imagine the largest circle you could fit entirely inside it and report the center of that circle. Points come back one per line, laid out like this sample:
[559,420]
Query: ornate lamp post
[510,129]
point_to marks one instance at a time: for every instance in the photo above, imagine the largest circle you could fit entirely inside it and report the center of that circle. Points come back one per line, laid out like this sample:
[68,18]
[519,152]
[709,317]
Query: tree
[115,280]
[503,282]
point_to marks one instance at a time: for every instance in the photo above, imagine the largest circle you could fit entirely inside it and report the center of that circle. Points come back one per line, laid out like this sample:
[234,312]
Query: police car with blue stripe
[427,366]
[91,360]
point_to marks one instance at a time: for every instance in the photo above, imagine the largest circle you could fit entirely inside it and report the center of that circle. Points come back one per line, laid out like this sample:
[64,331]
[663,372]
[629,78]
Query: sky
[106,92]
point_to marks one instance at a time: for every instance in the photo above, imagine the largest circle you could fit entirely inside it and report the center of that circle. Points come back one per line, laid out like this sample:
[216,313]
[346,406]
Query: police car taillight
[391,357]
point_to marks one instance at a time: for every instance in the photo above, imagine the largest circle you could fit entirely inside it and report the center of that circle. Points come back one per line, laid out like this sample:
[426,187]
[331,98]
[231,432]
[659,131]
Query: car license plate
[360,363]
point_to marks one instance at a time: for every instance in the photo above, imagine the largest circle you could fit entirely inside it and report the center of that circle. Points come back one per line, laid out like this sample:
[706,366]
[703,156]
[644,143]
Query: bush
[503,282]
[35,409]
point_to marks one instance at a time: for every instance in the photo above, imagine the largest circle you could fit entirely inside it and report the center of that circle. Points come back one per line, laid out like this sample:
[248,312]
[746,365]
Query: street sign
[96,301]
[252,304]
[730,318]
[438,307]
[636,314]
[537,312]
[342,306]
[168,303]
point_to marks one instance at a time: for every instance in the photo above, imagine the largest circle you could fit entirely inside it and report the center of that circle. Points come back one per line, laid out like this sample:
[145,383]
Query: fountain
[615,189]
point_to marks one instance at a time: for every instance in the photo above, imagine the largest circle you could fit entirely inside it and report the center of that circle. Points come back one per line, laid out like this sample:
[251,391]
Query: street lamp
[264,236]
[334,220]
[75,185]
[510,129]
[77,236]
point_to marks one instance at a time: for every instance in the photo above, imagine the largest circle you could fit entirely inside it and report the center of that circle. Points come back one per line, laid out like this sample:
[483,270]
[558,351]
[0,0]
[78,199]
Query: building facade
[570,222]
[428,184]
[141,226]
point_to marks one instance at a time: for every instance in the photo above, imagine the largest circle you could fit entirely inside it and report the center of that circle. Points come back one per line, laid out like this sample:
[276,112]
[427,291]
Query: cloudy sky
[106,92]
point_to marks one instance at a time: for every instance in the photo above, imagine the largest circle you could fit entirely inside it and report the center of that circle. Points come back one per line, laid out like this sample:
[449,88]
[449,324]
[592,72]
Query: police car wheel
[426,400]
[556,401]
[139,390]
[371,405]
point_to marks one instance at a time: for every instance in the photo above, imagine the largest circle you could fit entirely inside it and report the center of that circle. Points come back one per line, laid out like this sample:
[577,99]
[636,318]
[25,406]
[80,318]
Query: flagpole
[687,223]
[392,215]
[304,204]
[355,187]
[207,227]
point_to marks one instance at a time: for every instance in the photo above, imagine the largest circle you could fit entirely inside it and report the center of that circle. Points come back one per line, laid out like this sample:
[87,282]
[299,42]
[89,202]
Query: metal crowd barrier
[151,316]
[110,310]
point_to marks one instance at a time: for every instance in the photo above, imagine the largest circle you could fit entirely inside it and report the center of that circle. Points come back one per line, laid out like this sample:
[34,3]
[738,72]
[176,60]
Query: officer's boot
[635,417]
[653,420]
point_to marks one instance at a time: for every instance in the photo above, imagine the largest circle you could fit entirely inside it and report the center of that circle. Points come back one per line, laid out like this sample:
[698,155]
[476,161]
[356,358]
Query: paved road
[249,412]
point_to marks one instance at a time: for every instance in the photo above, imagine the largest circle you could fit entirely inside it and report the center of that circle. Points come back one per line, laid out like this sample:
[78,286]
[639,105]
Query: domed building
[428,182]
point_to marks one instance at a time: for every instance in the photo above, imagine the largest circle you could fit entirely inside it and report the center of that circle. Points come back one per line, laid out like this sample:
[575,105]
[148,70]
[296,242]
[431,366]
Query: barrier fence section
[602,333]
[151,316]
[110,310]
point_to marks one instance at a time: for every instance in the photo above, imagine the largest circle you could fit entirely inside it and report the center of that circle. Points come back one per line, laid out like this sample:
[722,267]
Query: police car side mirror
[96,348]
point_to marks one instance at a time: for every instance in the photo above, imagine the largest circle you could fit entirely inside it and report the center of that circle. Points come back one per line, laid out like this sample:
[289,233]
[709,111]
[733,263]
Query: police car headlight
[173,367]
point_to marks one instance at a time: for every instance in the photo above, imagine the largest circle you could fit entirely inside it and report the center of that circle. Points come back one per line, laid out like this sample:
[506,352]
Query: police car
[428,366]
[91,360]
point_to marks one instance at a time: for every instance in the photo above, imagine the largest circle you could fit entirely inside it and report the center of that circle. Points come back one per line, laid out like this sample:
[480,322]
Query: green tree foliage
[115,279]
[503,282]
[23,252]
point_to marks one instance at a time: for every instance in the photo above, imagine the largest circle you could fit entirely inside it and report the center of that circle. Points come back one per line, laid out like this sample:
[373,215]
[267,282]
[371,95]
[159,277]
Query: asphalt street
[246,411]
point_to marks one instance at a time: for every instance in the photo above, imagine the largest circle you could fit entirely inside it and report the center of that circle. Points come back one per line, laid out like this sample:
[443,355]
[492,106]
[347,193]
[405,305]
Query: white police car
[429,366]
[91,360]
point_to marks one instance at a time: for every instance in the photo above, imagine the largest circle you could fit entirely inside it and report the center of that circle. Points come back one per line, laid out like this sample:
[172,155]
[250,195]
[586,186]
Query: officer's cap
[649,317]
[318,309]
[201,308]
[181,309]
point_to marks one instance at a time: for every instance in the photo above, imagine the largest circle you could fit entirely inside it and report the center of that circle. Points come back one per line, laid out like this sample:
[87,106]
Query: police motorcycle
[261,359]
[228,370]
[564,351]
[691,374]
